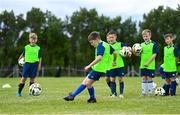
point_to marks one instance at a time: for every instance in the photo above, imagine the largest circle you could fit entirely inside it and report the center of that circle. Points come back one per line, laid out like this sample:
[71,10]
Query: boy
[33,56]
[171,59]
[99,66]
[147,64]
[117,70]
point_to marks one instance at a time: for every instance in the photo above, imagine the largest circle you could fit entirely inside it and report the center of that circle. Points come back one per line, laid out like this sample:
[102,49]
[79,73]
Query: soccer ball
[125,51]
[159,91]
[35,89]
[137,49]
[21,62]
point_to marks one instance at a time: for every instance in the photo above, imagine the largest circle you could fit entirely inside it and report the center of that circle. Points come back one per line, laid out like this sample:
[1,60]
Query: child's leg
[90,88]
[31,81]
[108,81]
[25,73]
[143,84]
[121,85]
[80,88]
[150,85]
[173,86]
[21,85]
[113,86]
[166,86]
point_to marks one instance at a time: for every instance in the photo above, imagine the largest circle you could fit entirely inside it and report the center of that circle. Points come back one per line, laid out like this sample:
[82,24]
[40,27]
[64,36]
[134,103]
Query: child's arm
[40,59]
[98,58]
[40,63]
[150,60]
[177,60]
[114,59]
[21,56]
[176,54]
[155,51]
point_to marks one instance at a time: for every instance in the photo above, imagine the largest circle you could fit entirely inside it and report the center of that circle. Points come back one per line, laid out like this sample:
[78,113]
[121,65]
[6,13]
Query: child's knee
[120,79]
[23,80]
[113,79]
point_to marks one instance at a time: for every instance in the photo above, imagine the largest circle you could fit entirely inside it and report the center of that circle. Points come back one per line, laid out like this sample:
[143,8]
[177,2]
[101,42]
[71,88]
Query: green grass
[54,89]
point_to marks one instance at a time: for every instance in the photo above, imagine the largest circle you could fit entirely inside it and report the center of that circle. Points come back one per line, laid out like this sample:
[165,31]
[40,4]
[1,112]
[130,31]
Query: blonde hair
[146,31]
[33,35]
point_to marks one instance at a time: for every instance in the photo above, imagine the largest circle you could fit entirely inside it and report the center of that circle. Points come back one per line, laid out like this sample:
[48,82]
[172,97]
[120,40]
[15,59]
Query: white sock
[143,87]
[150,87]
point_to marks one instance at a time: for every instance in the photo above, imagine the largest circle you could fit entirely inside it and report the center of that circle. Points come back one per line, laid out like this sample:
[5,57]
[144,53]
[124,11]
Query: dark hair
[93,36]
[111,32]
[168,35]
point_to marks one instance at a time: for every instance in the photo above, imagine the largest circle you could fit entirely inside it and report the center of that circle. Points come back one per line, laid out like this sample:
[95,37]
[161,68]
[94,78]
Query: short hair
[33,35]
[93,36]
[168,35]
[111,32]
[146,31]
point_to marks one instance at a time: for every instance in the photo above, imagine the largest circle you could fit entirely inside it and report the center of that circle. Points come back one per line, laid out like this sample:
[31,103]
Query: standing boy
[147,64]
[98,65]
[118,70]
[171,59]
[33,56]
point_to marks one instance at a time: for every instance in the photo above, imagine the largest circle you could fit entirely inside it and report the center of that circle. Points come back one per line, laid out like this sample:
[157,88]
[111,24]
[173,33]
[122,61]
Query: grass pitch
[54,89]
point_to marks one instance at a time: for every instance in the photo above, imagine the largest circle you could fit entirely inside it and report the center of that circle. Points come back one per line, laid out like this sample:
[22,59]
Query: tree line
[64,42]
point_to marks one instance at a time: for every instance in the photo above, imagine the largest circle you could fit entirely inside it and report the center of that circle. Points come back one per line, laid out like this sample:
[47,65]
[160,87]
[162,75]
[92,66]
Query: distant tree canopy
[64,42]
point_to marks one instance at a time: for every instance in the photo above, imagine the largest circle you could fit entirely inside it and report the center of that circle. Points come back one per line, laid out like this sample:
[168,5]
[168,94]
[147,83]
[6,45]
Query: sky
[112,8]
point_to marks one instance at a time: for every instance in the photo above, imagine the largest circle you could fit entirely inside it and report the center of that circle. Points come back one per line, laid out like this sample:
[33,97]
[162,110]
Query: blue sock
[121,84]
[21,86]
[173,88]
[91,92]
[78,90]
[166,88]
[113,87]
[108,83]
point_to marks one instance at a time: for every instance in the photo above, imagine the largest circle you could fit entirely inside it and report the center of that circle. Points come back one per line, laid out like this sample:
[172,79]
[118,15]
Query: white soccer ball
[21,62]
[35,89]
[125,51]
[159,91]
[137,49]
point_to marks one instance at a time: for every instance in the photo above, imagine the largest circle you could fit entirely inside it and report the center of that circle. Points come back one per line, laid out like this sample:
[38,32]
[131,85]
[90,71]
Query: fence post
[42,71]
[15,71]
[128,71]
[133,71]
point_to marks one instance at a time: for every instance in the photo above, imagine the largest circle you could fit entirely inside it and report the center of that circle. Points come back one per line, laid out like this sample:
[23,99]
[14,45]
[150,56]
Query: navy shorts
[162,73]
[108,73]
[147,72]
[117,72]
[30,70]
[93,75]
[170,74]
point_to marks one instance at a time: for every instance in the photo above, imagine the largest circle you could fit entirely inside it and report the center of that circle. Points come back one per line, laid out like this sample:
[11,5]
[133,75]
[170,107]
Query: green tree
[162,21]
[8,38]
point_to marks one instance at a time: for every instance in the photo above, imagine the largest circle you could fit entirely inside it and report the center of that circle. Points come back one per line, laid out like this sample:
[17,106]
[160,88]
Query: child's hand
[87,68]
[114,63]
[146,65]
